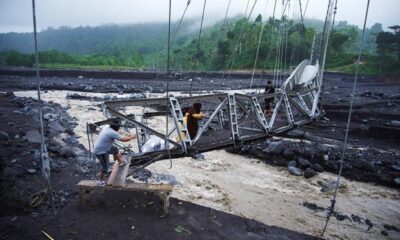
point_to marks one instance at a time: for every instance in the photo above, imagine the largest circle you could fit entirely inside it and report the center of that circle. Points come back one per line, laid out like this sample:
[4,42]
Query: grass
[364,69]
[85,67]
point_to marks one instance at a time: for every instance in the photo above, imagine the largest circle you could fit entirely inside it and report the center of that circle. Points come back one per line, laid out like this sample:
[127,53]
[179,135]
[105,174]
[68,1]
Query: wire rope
[346,137]
[180,22]
[166,144]
[258,47]
[43,151]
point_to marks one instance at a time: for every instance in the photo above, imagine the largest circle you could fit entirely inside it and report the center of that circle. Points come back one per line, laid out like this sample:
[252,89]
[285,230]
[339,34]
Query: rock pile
[304,158]
[20,158]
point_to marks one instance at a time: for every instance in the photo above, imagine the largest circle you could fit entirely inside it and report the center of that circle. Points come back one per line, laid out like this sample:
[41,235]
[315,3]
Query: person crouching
[103,147]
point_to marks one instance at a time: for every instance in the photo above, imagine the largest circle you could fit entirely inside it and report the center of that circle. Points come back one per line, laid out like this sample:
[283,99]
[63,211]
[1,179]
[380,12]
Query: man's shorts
[104,158]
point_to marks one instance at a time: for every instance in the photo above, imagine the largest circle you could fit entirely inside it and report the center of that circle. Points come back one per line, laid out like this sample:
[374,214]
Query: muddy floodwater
[248,187]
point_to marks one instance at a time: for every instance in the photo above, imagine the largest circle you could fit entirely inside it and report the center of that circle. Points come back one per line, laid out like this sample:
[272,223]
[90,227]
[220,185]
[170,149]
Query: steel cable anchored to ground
[346,138]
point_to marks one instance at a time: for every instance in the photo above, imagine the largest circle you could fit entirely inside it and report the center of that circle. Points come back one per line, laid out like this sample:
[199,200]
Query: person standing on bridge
[104,147]
[268,90]
[192,117]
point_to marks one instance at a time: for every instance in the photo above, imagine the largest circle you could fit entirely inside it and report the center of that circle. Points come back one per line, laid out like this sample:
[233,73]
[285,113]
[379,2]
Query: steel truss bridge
[233,117]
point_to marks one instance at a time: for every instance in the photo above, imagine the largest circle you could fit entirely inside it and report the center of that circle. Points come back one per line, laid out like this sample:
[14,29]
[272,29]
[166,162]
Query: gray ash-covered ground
[106,85]
[373,157]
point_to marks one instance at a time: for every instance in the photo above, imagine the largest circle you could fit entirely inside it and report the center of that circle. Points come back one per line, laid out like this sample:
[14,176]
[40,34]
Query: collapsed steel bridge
[233,117]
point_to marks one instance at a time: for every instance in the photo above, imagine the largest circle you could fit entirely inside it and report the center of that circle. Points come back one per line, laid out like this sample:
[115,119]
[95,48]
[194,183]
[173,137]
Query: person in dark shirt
[268,89]
[192,117]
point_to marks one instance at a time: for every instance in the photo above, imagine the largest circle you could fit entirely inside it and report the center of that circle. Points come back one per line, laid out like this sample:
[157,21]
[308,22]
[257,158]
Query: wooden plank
[129,186]
[88,183]
[118,174]
[149,187]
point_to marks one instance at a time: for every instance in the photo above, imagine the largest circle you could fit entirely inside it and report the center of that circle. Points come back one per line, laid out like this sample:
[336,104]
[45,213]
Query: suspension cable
[198,46]
[346,137]
[301,12]
[269,49]
[221,32]
[180,22]
[305,9]
[247,7]
[166,144]
[43,150]
[201,26]
[233,55]
[278,54]
[334,14]
[258,46]
[286,67]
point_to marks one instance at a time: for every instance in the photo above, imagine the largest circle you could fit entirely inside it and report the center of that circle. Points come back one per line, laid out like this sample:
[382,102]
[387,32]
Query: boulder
[137,96]
[296,133]
[395,123]
[275,148]
[4,136]
[292,163]
[317,167]
[321,148]
[396,167]
[295,171]
[142,175]
[88,88]
[309,173]
[55,166]
[199,157]
[56,127]
[33,136]
[66,152]
[309,152]
[280,161]
[303,163]
[70,140]
[288,153]
[368,166]
[397,180]
[31,170]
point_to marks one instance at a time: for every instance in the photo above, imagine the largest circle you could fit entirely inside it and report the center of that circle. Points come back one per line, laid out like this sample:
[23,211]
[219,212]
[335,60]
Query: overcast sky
[16,15]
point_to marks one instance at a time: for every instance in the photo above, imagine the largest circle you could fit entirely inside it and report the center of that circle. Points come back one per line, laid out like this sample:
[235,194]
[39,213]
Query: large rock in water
[295,171]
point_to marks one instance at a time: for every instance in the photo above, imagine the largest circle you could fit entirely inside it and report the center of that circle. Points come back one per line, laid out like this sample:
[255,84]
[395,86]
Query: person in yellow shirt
[191,119]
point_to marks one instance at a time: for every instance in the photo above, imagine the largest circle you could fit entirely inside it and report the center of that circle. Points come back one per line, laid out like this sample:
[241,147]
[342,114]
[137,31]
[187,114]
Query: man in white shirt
[104,147]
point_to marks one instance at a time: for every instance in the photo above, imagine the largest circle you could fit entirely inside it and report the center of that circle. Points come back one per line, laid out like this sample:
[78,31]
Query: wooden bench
[117,181]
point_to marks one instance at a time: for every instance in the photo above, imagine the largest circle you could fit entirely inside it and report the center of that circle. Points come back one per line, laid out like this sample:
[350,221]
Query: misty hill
[145,38]
[144,45]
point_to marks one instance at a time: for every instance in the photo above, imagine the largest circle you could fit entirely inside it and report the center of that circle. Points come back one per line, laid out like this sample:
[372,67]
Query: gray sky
[16,15]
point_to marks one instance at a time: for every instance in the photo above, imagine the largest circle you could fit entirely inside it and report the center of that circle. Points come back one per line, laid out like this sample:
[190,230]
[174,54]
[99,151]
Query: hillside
[144,45]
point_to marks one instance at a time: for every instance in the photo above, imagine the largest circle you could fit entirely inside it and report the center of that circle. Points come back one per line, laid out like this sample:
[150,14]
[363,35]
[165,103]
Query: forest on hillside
[225,45]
